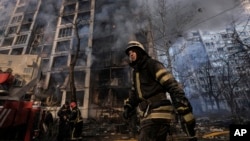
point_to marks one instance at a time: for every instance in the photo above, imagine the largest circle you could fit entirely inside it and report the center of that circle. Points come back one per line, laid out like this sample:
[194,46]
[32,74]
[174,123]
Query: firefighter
[151,82]
[48,121]
[76,122]
[64,127]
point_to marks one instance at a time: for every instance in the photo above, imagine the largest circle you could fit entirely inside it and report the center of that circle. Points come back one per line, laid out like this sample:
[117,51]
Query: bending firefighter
[151,81]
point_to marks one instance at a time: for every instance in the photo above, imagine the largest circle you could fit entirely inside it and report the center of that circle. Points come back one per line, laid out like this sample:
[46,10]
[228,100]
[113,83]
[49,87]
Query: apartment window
[79,97]
[28,18]
[16,19]
[79,78]
[8,41]
[46,50]
[25,27]
[67,19]
[36,50]
[31,7]
[65,32]
[70,1]
[84,18]
[4,51]
[60,62]
[22,2]
[63,46]
[28,70]
[21,39]
[20,9]
[69,9]
[220,49]
[45,65]
[81,61]
[12,30]
[84,6]
[17,51]
[192,81]
[2,32]
[195,34]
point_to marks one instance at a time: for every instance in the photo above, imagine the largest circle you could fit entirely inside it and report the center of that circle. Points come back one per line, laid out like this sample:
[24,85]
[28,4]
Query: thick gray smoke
[204,14]
[180,16]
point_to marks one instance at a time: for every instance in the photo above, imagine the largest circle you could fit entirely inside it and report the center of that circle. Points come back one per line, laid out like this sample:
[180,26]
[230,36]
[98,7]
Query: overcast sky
[210,14]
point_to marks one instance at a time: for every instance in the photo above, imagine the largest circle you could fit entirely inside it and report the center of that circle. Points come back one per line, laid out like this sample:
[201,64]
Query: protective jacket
[151,81]
[76,123]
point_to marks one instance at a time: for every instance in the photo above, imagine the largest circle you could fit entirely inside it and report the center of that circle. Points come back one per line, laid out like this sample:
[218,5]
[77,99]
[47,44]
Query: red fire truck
[20,118]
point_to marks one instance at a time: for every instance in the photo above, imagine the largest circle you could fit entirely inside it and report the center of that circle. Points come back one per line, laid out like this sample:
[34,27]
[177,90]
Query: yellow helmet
[134,44]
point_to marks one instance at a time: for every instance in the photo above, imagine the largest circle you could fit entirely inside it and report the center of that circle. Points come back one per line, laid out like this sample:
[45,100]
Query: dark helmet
[135,44]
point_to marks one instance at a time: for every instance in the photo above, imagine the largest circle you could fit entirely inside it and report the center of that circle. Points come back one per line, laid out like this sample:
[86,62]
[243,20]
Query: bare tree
[168,21]
[207,83]
[75,55]
[228,84]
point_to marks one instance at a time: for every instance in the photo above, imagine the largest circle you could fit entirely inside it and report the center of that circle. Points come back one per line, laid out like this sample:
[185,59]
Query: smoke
[216,14]
[121,19]
[203,14]
[126,19]
[6,8]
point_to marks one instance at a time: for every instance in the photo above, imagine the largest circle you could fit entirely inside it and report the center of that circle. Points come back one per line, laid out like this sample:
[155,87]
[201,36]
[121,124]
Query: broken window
[79,79]
[4,51]
[32,6]
[55,83]
[20,9]
[46,51]
[84,6]
[25,27]
[45,65]
[60,62]
[8,41]
[82,59]
[22,2]
[28,18]
[17,51]
[79,97]
[69,9]
[67,19]
[12,30]
[36,50]
[65,32]
[69,1]
[83,43]
[16,19]
[21,39]
[63,46]
[2,31]
[83,18]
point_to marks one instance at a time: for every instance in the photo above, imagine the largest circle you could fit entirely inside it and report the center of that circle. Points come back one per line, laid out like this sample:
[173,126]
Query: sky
[206,14]
[203,14]
[181,16]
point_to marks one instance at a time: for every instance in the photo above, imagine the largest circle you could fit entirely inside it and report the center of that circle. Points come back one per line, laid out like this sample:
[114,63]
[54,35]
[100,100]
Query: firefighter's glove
[185,113]
[188,121]
[127,112]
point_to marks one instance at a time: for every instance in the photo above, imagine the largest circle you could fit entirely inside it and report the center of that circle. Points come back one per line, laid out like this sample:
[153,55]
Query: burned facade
[53,30]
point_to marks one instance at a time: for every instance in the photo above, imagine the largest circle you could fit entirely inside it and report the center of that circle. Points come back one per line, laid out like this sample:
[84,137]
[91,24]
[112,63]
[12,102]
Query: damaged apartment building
[53,30]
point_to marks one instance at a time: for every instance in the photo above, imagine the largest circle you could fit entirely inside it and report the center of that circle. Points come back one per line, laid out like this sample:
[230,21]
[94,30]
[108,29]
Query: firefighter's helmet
[73,104]
[135,44]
